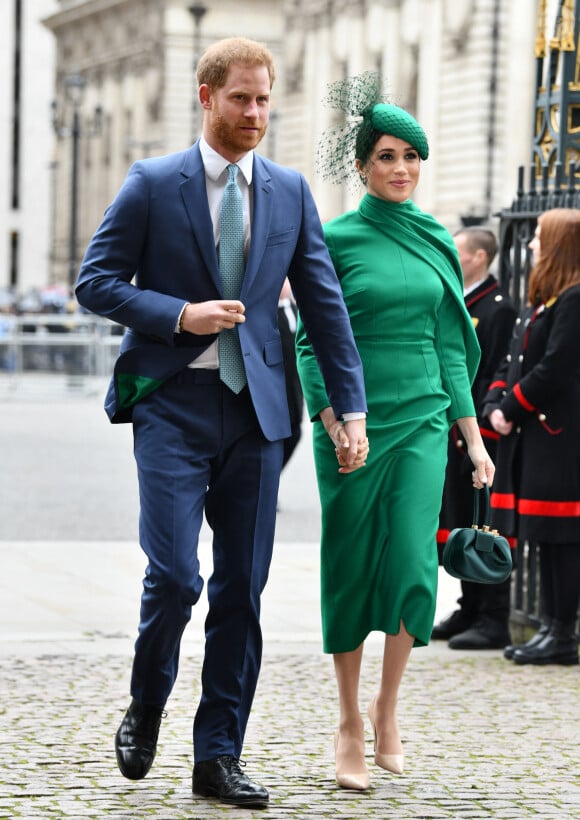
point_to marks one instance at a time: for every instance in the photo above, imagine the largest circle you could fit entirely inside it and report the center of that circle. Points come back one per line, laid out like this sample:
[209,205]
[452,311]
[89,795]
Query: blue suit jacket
[154,250]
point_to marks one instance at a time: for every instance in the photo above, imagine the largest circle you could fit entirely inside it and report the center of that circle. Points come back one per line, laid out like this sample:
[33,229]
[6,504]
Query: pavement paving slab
[483,738]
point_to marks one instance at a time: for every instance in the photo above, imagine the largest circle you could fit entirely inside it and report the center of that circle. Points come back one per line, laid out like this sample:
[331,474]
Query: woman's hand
[483,466]
[350,441]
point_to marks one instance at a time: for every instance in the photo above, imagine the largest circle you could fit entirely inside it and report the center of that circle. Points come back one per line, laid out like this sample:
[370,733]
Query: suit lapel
[194,195]
[262,215]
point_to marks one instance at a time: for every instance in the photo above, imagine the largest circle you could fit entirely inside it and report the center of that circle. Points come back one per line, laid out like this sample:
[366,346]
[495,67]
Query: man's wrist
[355,416]
[179,324]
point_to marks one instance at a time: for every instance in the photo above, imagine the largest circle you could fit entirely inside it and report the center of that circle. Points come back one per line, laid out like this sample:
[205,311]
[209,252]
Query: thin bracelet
[180,324]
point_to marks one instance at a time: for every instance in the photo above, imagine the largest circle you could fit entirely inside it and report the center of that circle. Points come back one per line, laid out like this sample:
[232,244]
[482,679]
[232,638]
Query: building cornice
[76,11]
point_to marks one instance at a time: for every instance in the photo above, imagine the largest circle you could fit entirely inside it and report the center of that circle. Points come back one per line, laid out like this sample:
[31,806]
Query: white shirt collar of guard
[468,290]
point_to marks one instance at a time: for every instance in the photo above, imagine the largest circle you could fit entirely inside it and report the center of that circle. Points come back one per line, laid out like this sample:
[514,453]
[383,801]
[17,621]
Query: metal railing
[518,222]
[516,229]
[78,347]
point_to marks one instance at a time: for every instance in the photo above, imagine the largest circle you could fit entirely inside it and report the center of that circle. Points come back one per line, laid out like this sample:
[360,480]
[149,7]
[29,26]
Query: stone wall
[472,93]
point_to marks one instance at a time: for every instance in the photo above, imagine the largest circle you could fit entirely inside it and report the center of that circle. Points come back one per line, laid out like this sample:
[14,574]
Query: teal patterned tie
[231,262]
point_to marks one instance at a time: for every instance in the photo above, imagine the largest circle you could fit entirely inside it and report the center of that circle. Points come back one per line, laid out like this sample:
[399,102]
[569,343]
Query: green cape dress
[403,287]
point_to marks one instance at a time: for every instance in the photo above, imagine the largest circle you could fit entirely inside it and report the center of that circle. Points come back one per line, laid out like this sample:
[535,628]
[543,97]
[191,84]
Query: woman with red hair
[534,404]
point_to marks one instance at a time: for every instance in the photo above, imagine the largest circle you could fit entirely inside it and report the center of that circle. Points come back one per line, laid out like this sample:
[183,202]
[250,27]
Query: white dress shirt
[216,177]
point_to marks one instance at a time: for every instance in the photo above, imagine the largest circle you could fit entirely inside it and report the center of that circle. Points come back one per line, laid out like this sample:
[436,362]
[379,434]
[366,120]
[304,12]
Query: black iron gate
[518,222]
[516,229]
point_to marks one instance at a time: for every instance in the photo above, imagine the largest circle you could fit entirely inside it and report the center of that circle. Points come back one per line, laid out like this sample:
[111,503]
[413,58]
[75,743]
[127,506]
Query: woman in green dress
[402,285]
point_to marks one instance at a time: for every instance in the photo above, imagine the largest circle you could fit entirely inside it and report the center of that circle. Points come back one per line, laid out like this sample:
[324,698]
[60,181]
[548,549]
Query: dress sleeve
[451,350]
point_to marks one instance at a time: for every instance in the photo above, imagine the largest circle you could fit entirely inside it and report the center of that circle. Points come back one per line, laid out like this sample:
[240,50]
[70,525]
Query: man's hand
[204,318]
[349,439]
[499,422]
[355,455]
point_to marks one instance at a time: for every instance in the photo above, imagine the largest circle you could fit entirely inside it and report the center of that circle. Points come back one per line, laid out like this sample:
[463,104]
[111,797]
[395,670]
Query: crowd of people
[402,335]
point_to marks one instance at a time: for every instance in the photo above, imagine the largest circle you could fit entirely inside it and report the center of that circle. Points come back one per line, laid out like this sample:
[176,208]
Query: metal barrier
[525,591]
[78,347]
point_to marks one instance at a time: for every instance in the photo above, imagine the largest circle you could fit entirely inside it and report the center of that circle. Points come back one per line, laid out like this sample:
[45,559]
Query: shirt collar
[215,165]
[472,287]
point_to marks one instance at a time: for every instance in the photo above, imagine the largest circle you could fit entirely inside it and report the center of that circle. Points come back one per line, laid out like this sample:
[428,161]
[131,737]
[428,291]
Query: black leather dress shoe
[483,635]
[457,622]
[136,739]
[223,778]
[559,646]
[510,650]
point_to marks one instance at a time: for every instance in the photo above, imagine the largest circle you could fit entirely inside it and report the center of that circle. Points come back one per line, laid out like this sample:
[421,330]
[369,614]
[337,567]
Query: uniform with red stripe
[538,389]
[493,315]
[481,622]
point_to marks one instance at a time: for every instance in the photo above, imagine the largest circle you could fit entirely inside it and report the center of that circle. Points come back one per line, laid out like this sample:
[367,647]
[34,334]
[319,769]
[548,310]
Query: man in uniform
[481,622]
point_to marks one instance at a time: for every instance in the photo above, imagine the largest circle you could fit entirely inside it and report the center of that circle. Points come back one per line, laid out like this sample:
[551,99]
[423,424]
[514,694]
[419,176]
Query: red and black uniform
[493,315]
[536,491]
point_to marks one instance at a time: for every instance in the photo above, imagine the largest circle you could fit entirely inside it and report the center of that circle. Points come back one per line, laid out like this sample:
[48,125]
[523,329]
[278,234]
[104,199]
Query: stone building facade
[26,82]
[465,68]
[137,59]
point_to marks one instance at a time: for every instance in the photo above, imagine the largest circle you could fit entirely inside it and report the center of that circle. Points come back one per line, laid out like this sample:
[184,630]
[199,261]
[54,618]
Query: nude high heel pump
[391,763]
[346,761]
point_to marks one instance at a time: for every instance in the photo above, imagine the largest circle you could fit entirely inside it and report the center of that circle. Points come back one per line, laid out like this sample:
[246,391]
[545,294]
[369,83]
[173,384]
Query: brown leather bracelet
[180,325]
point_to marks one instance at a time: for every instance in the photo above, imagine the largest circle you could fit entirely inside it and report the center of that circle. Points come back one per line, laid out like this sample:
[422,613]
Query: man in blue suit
[152,266]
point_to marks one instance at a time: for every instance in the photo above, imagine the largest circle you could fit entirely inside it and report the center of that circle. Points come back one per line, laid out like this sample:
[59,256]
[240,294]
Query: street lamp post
[74,86]
[197,11]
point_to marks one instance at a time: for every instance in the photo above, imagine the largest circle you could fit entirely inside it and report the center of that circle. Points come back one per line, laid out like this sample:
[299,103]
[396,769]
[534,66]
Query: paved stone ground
[483,738]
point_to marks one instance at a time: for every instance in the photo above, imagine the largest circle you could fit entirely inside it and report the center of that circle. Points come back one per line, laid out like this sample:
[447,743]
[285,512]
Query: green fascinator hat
[366,115]
[384,118]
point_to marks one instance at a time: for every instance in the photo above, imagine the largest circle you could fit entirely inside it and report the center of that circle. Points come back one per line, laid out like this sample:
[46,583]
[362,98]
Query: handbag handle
[476,496]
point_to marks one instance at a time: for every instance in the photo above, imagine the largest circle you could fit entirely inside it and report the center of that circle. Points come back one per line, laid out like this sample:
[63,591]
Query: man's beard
[234,139]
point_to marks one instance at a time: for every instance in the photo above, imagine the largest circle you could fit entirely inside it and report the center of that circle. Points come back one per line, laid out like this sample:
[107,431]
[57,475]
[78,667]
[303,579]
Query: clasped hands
[349,438]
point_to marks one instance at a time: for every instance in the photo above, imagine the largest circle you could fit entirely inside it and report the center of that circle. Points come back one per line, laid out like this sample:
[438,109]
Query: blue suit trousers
[199,447]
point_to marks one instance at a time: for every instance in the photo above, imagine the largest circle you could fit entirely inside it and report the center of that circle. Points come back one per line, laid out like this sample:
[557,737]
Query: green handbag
[478,553]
